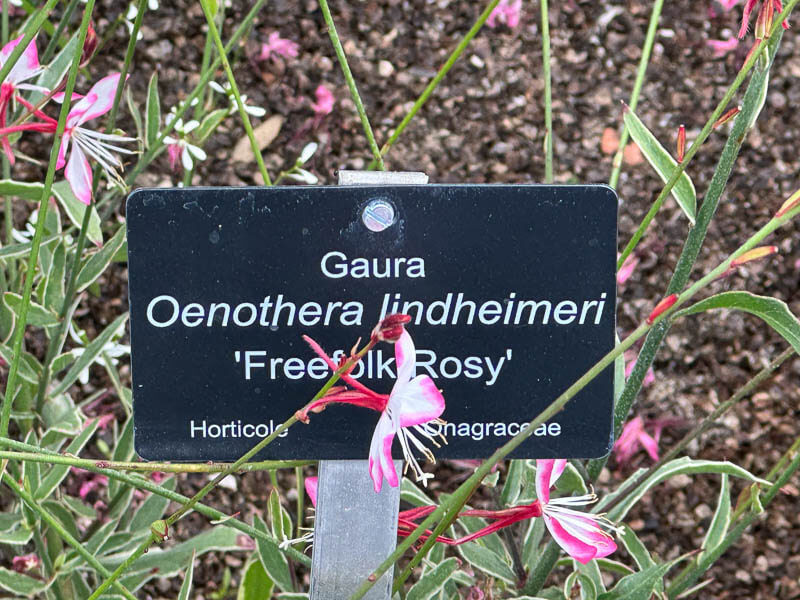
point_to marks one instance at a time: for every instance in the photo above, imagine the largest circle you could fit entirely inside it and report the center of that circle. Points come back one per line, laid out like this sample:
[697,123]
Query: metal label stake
[355,529]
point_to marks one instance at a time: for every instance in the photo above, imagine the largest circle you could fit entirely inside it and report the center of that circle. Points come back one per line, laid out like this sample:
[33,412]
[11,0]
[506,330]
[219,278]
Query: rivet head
[378,215]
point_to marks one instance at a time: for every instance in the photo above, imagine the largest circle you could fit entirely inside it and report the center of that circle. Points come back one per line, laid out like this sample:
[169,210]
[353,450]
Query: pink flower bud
[792,202]
[753,254]
[727,116]
[25,563]
[681,143]
[390,328]
[89,46]
[662,307]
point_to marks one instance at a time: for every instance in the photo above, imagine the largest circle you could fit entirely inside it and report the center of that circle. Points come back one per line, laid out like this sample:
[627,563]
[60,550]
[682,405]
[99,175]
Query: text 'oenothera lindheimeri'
[86,143]
[413,402]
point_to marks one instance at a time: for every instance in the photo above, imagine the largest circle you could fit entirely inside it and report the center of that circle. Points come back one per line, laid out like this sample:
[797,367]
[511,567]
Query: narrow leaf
[186,586]
[661,160]
[98,262]
[636,548]
[75,209]
[774,312]
[57,473]
[721,521]
[487,561]
[641,585]
[272,559]
[152,111]
[256,584]
[38,315]
[433,581]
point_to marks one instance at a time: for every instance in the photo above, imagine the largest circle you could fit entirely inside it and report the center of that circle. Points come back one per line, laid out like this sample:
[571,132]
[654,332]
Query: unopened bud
[753,254]
[764,19]
[727,116]
[681,143]
[89,46]
[662,307]
[390,328]
[791,203]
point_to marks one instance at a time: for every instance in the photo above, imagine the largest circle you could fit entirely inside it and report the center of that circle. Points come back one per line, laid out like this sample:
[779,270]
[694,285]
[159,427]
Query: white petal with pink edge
[416,402]
[99,99]
[380,454]
[547,473]
[577,549]
[405,358]
[79,175]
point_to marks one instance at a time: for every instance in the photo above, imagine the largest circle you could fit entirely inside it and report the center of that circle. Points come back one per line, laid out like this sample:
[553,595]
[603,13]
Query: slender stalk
[194,500]
[461,495]
[56,342]
[52,45]
[351,84]
[8,204]
[212,28]
[437,79]
[775,33]
[687,578]
[706,424]
[647,50]
[548,95]
[693,244]
[205,77]
[56,526]
[19,333]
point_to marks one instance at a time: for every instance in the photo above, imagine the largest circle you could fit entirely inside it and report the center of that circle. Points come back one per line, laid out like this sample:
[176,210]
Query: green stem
[50,50]
[437,79]
[56,526]
[548,95]
[194,500]
[706,424]
[205,77]
[212,28]
[461,494]
[692,246]
[687,578]
[19,333]
[647,50]
[56,343]
[351,84]
[775,33]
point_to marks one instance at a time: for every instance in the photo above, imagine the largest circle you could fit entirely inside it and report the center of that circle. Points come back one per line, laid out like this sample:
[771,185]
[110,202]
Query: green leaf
[98,262]
[279,519]
[513,483]
[774,312]
[256,584]
[413,494]
[683,191]
[679,466]
[272,559]
[433,581]
[75,210]
[55,72]
[641,585]
[123,452]
[54,289]
[18,250]
[152,111]
[721,521]
[90,353]
[133,108]
[20,584]
[636,548]
[57,473]
[209,124]
[16,537]
[59,413]
[38,315]
[571,482]
[487,561]
[29,367]
[186,586]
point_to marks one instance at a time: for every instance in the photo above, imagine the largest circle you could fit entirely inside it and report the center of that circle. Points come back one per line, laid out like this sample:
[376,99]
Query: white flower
[255,111]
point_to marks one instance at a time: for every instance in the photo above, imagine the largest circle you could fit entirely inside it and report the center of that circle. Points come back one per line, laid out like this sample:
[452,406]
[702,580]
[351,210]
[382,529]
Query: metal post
[355,529]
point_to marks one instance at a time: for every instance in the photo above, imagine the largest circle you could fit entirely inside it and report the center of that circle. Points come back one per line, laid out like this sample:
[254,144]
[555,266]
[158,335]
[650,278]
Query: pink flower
[20,564]
[768,8]
[722,47]
[325,101]
[579,534]
[91,482]
[508,12]
[86,141]
[413,402]
[634,435]
[627,269]
[278,45]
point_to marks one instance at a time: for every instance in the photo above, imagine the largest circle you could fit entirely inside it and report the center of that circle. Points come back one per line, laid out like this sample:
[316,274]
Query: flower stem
[351,84]
[437,79]
[775,33]
[19,333]
[226,65]
[56,526]
[548,95]
[647,50]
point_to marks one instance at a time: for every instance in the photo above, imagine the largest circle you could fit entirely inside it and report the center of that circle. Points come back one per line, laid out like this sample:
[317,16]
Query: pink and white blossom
[179,148]
[580,534]
[325,101]
[277,45]
[508,12]
[721,47]
[21,564]
[414,402]
[87,143]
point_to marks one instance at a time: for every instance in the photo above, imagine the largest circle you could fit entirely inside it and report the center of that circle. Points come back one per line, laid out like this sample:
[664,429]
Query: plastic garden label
[511,292]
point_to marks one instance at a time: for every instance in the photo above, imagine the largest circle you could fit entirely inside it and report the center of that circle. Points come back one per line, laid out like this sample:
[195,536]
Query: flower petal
[79,175]
[28,64]
[99,99]
[577,549]
[405,358]
[311,489]
[416,402]
[547,473]
[62,150]
[380,454]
